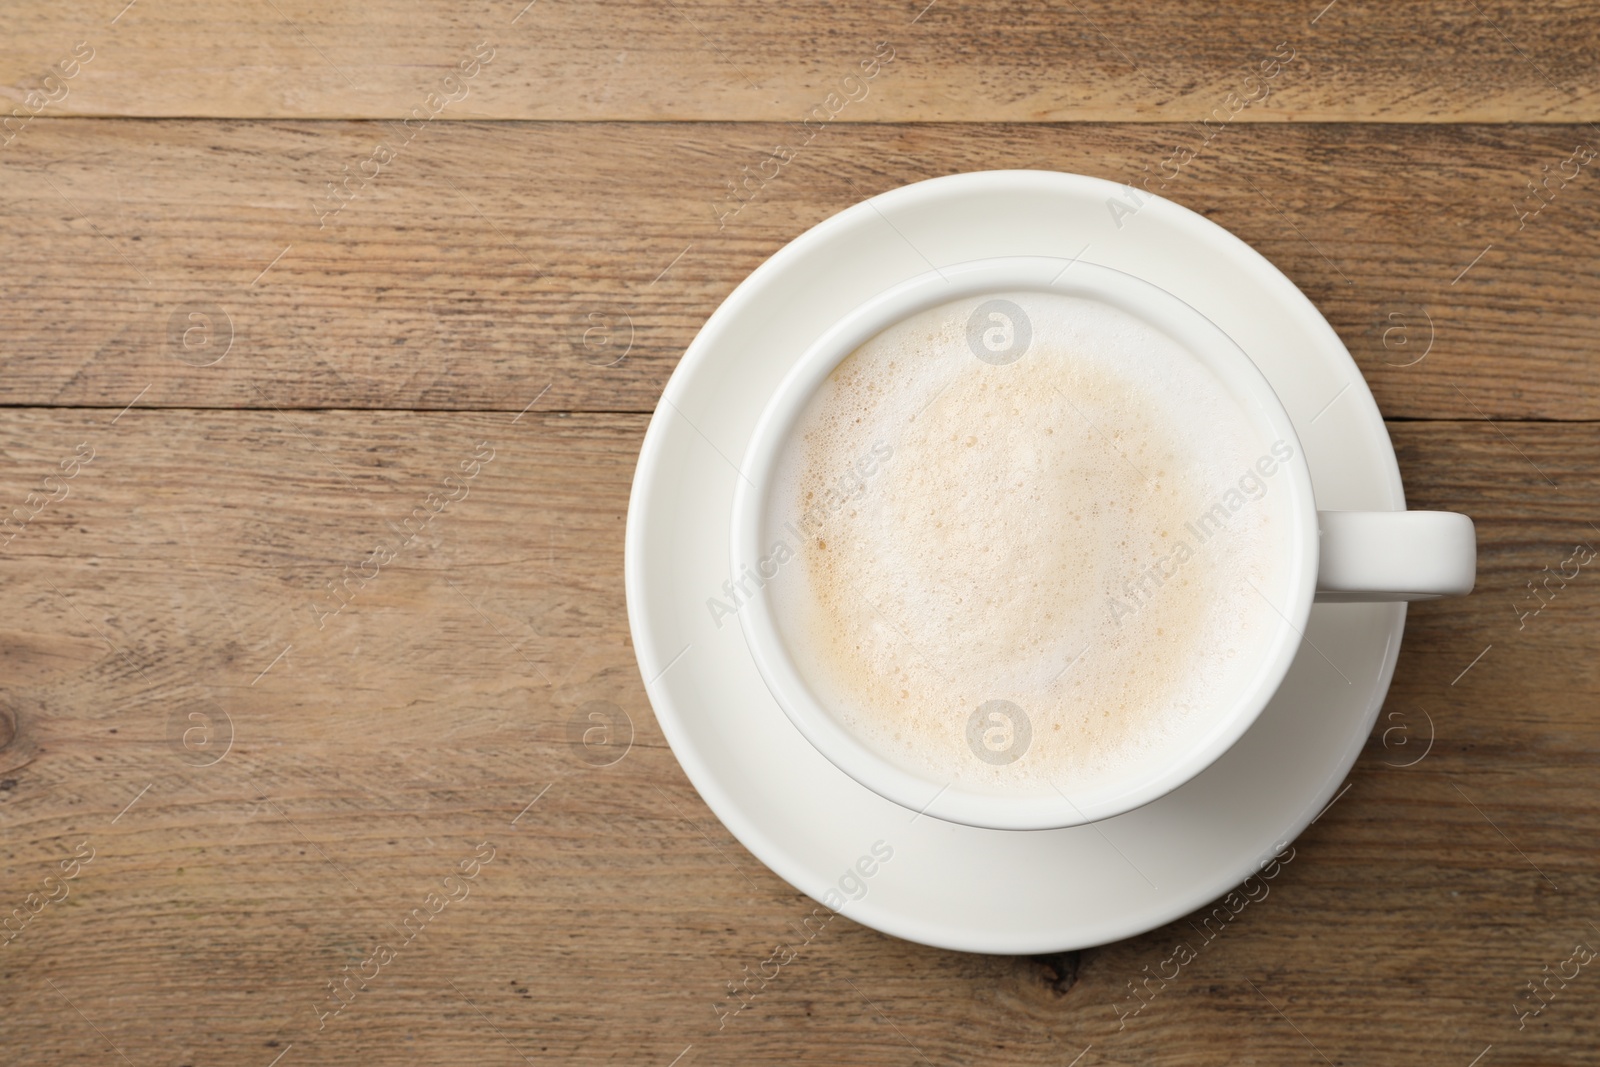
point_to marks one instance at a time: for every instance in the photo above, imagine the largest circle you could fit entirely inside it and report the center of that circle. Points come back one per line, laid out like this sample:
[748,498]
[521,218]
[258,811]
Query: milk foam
[1013,533]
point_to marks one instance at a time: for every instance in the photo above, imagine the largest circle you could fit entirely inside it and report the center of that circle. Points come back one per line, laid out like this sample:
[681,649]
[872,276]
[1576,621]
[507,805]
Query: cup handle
[1395,555]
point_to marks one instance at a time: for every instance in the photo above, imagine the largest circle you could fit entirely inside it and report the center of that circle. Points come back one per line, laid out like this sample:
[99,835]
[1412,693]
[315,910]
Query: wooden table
[278,274]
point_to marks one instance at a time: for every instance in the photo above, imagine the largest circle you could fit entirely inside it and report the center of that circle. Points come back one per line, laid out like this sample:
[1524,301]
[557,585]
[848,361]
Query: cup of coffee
[1027,545]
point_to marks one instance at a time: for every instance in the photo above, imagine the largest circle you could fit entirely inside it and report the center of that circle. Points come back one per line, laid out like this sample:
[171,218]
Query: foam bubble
[972,530]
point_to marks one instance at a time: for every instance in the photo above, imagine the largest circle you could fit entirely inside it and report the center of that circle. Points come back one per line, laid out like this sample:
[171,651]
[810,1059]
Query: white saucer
[956,886]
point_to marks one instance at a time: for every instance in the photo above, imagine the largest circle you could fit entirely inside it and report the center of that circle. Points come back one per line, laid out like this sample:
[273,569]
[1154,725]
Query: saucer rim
[652,663]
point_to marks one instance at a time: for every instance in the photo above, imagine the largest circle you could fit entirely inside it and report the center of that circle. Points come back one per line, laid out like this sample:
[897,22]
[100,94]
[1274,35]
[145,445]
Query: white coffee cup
[1344,556]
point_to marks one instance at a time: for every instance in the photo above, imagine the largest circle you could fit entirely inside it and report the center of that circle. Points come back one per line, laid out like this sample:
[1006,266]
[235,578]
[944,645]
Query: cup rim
[1073,278]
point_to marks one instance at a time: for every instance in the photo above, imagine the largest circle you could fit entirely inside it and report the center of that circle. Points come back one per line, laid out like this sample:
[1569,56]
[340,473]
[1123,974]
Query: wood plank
[991,61]
[491,262]
[370,756]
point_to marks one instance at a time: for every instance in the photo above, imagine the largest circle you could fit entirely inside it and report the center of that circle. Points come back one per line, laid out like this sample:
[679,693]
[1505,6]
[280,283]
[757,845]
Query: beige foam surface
[1077,533]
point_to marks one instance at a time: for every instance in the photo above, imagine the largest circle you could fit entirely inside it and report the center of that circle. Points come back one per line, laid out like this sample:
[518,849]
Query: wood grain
[371,754]
[1126,60]
[260,705]
[492,265]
